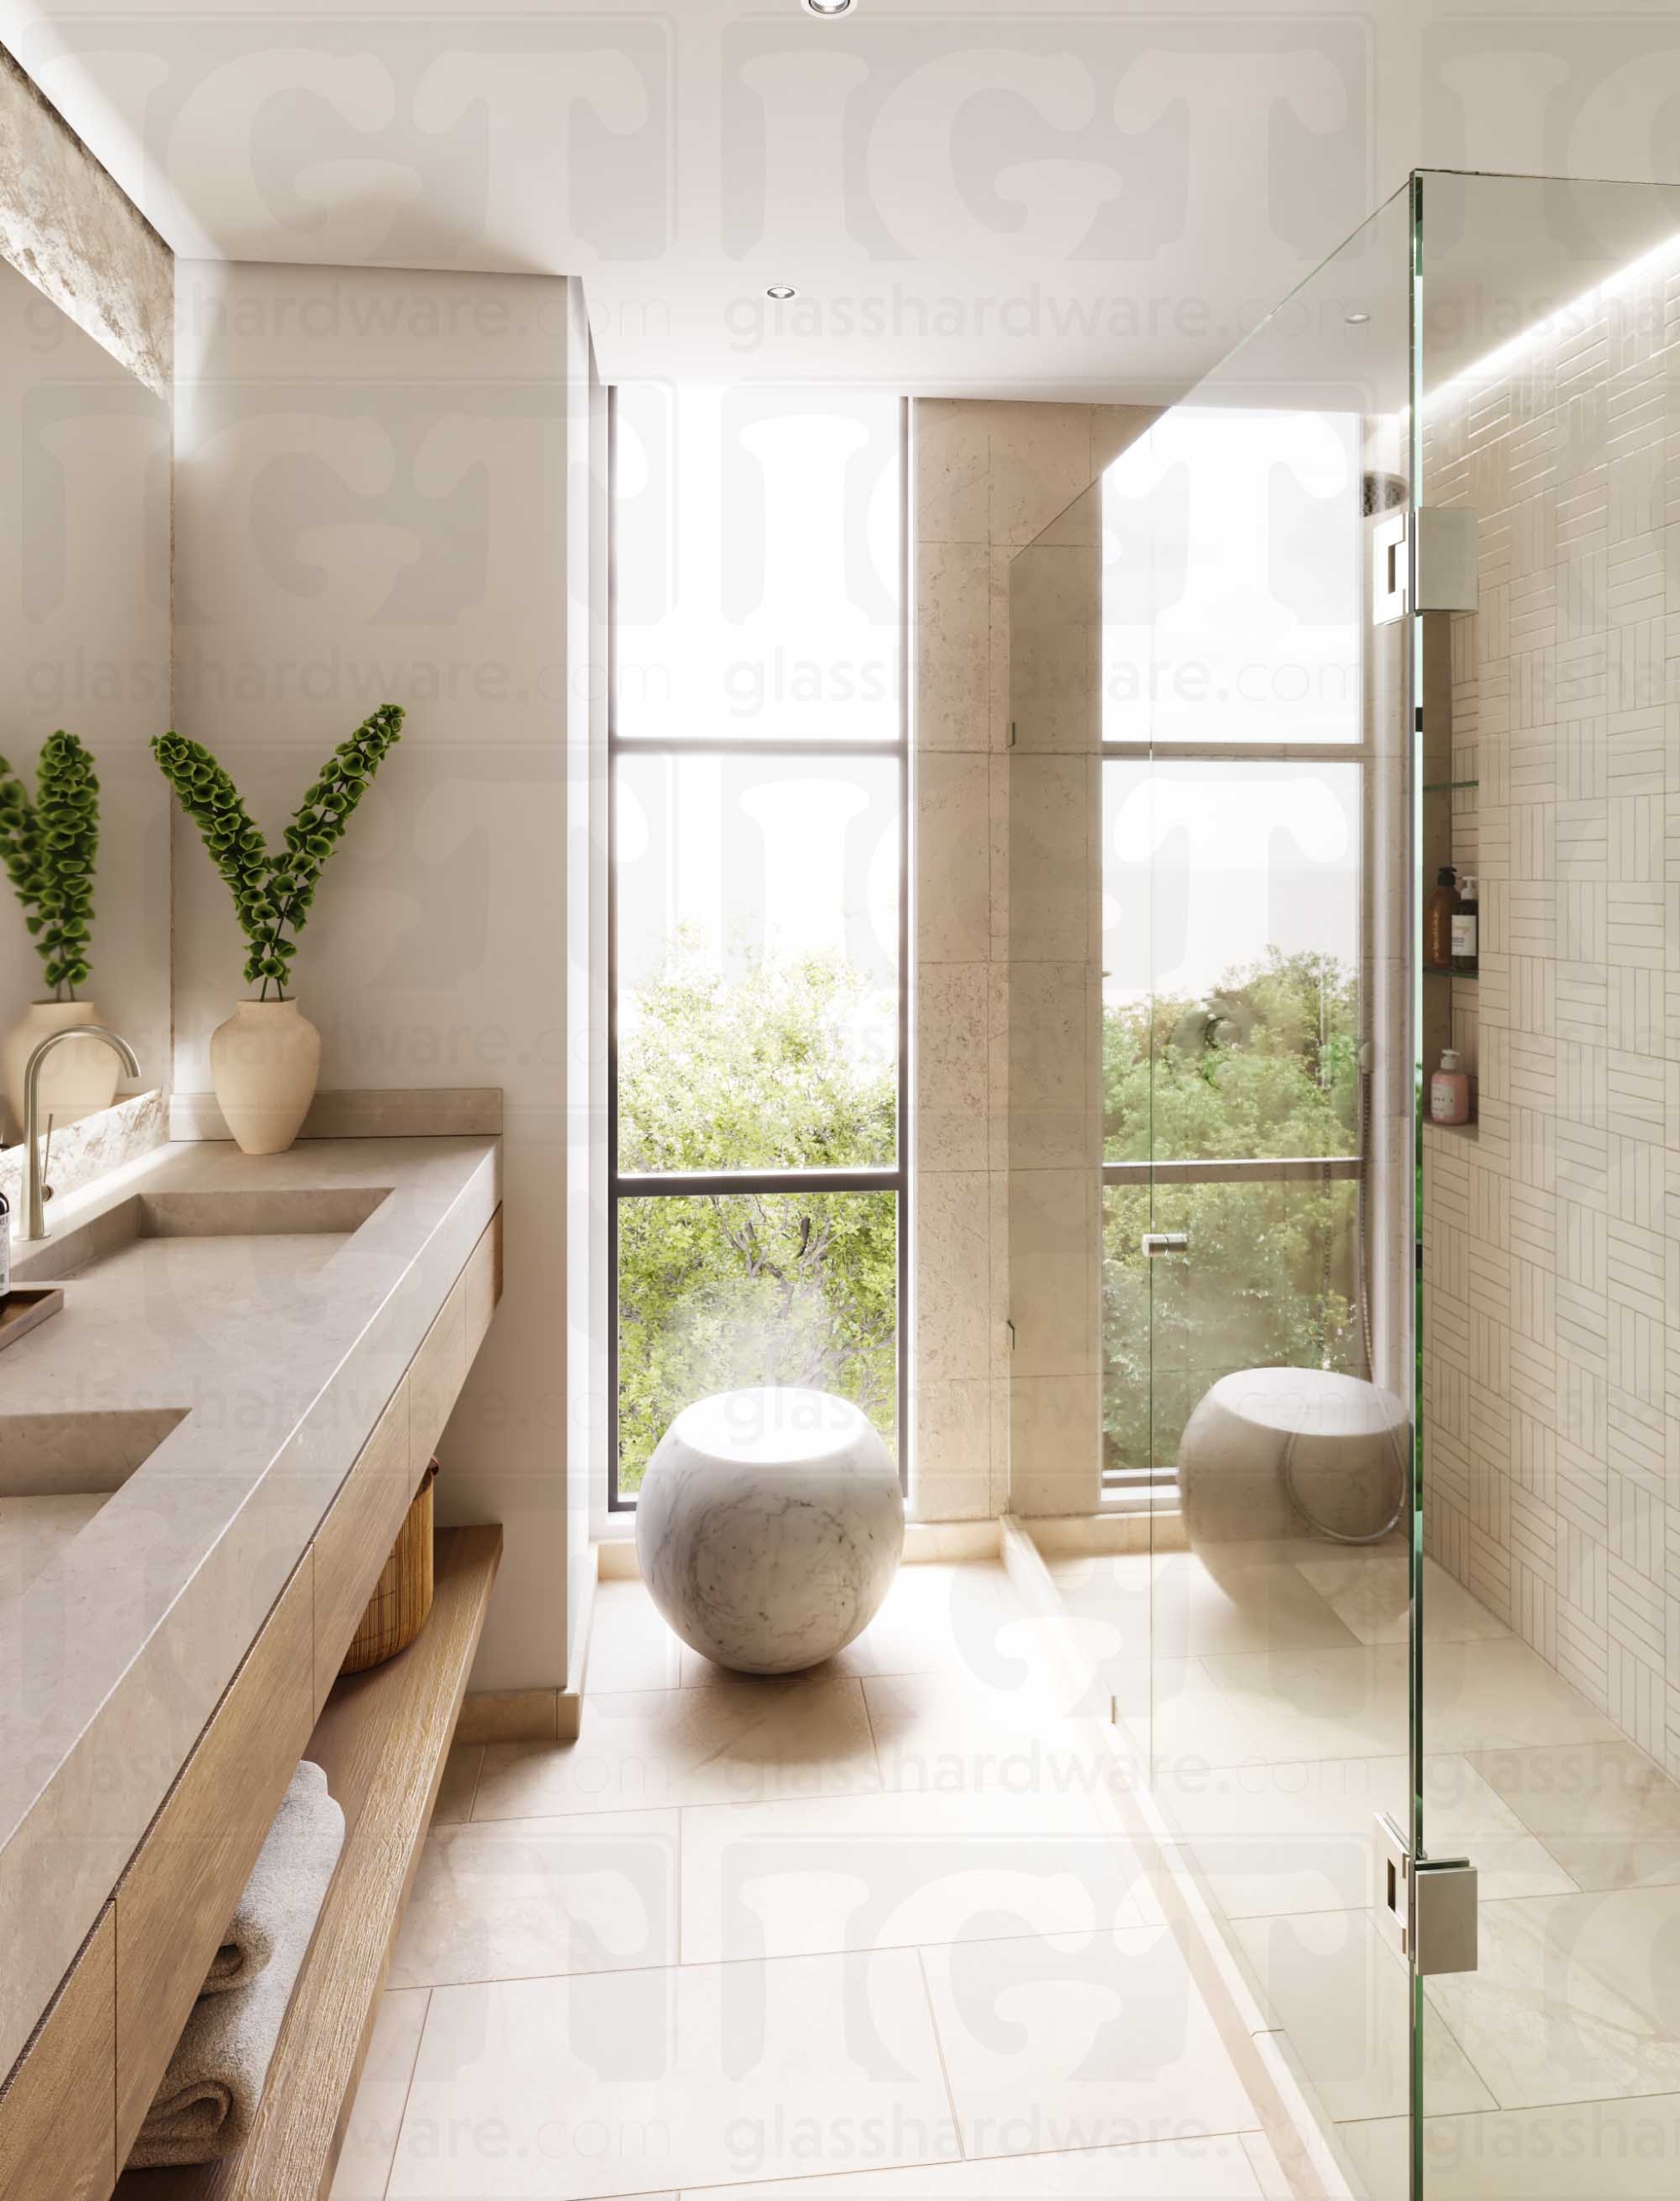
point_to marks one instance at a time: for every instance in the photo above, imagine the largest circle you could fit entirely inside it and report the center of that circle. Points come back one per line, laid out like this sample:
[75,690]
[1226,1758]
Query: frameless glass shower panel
[1548,409]
[1232,581]
[1211,1127]
[1257,1013]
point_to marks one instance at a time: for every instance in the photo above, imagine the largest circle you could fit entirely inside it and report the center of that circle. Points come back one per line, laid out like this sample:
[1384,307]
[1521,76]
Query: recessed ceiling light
[828,7]
[780,291]
[1355,320]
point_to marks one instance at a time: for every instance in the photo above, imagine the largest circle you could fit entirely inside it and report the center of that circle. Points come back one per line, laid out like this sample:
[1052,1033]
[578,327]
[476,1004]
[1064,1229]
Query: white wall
[372,505]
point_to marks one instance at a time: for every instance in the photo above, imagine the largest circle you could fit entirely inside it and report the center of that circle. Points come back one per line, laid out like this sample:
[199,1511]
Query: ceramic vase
[264,1062]
[77,1079]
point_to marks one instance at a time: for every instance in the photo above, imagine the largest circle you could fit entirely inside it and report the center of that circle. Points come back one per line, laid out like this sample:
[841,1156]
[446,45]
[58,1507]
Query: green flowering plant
[273,891]
[48,846]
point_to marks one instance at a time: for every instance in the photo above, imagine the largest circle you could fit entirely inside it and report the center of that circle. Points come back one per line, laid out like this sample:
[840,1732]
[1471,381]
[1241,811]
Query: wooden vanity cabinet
[77,2098]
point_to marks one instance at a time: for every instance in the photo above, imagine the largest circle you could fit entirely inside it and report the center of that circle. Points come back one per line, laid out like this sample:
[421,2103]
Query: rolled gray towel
[248,1942]
[208,2096]
[249,1937]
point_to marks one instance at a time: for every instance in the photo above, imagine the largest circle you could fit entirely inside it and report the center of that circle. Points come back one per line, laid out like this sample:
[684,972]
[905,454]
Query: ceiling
[1076,201]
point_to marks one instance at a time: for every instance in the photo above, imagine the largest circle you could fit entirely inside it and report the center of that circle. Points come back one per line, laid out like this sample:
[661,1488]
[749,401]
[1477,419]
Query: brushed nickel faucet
[34,1202]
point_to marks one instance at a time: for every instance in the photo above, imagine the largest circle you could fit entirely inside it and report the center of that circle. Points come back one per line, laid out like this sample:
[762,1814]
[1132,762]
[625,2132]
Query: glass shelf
[1430,972]
[1448,787]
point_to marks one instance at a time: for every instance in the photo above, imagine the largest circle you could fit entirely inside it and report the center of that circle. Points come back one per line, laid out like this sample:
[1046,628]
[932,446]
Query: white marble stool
[769,1526]
[1273,1453]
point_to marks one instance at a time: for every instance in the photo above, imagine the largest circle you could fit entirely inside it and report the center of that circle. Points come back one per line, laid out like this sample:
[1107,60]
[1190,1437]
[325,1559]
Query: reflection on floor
[1271,1686]
[862,1933]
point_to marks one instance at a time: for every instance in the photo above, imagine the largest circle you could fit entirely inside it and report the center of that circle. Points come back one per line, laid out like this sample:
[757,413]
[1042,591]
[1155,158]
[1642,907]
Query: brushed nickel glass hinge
[1425,1907]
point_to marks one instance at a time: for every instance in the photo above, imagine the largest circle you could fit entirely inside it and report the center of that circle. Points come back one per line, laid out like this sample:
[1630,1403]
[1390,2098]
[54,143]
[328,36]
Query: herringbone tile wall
[1551,1230]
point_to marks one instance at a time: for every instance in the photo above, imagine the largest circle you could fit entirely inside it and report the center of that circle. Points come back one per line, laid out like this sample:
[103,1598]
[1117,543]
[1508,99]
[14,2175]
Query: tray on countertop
[25,1307]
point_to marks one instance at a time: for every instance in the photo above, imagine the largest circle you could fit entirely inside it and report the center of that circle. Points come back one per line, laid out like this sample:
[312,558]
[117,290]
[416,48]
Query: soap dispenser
[1449,1090]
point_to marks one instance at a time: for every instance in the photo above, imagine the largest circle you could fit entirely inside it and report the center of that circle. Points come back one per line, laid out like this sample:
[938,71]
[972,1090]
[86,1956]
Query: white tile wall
[1552,1235]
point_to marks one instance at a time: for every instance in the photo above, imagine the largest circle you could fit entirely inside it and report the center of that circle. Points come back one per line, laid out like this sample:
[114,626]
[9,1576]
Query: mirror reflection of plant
[48,847]
[272,894]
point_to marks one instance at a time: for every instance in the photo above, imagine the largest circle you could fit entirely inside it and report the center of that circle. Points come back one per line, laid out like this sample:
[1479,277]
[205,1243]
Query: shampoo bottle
[1466,930]
[1438,920]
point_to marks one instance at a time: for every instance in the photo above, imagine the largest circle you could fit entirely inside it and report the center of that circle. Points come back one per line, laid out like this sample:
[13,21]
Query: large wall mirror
[84,650]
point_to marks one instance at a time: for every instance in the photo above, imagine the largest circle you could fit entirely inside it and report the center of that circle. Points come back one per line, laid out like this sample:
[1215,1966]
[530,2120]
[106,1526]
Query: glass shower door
[1548,404]
[1258,1073]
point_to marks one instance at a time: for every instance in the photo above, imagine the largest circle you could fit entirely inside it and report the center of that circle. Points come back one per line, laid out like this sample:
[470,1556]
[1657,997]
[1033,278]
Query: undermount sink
[57,1470]
[298,1211]
[56,1454]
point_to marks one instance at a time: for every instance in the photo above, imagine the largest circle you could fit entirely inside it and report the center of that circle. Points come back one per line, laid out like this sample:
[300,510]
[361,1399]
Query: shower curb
[1308,2157]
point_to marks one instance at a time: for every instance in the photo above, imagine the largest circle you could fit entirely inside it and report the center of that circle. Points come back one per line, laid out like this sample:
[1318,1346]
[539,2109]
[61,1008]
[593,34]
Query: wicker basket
[403,1596]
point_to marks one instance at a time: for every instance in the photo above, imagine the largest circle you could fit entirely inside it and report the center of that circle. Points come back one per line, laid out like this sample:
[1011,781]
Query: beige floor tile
[1215,2169]
[1192,1722]
[1095,2045]
[1344,2000]
[1573,1999]
[1312,1704]
[519,1898]
[1169,1604]
[1591,2151]
[1610,1817]
[1265,1606]
[1379,2150]
[737,1742]
[1508,1866]
[960,1619]
[1370,1592]
[1352,1703]
[943,1737]
[1483,1696]
[1114,1682]
[643,2080]
[459,1784]
[905,1867]
[630,1647]
[1299,1836]
[376,2116]
[1111,1588]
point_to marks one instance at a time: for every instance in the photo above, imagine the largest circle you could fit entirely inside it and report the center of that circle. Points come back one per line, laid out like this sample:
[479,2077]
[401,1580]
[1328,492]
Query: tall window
[758,761]
[1233,797]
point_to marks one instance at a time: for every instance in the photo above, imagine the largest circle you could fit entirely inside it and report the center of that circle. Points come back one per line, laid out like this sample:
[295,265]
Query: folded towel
[209,2094]
[249,1940]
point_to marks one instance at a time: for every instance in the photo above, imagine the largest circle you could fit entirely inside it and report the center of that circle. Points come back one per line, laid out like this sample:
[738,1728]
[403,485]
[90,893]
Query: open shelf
[382,1739]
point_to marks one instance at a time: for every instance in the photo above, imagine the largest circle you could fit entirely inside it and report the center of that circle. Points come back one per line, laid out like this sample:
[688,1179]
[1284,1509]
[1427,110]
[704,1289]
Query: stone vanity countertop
[263,1364]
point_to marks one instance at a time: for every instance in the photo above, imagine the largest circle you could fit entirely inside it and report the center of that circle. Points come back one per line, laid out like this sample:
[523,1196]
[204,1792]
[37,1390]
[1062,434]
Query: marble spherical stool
[770,1525]
[1274,1453]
